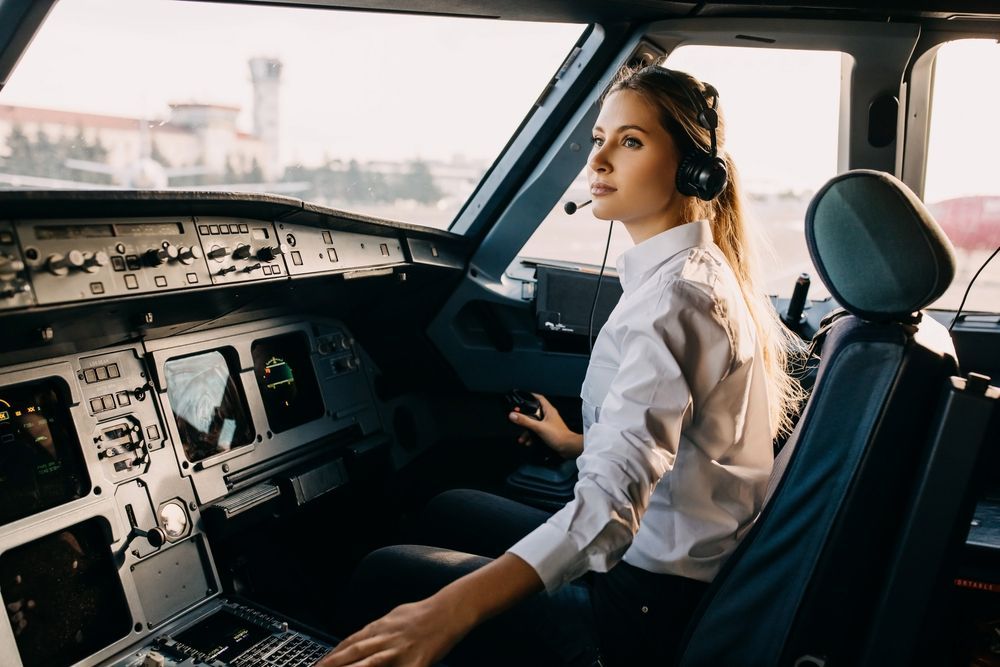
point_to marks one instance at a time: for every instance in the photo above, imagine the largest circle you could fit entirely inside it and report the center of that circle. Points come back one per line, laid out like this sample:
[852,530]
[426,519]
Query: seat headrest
[876,246]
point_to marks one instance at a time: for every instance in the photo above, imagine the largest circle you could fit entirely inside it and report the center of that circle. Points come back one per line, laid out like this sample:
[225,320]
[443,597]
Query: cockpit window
[781,109]
[394,116]
[961,187]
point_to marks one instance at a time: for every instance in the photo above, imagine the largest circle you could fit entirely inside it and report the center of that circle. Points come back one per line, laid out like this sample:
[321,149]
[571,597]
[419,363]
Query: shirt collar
[638,262]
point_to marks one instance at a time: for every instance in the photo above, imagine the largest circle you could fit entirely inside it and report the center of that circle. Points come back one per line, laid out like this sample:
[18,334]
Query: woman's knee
[455,519]
[395,575]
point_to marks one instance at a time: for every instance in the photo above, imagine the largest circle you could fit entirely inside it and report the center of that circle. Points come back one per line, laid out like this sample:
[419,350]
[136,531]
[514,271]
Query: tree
[418,184]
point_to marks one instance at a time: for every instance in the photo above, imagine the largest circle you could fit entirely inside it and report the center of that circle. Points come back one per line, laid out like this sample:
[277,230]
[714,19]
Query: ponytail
[781,348]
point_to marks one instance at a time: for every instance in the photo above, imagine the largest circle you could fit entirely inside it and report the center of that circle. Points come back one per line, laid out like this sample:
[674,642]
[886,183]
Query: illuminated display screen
[63,598]
[208,406]
[149,228]
[221,636]
[287,381]
[47,232]
[41,464]
[73,232]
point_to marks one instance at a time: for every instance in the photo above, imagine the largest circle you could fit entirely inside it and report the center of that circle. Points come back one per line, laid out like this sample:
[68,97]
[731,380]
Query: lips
[601,189]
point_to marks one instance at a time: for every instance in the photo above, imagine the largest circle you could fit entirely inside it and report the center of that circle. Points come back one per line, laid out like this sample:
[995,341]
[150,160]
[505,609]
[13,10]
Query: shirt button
[645,609]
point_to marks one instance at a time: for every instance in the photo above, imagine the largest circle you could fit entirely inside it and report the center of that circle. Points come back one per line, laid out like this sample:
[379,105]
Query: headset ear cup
[701,175]
[685,182]
[712,178]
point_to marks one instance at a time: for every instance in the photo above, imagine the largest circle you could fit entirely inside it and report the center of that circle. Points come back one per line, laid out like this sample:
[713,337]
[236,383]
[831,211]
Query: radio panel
[241,250]
[92,259]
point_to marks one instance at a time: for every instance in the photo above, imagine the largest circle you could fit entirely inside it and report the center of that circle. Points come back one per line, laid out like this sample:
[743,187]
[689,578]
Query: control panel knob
[10,290]
[228,269]
[156,537]
[92,262]
[218,253]
[252,268]
[10,266]
[270,252]
[153,659]
[242,251]
[60,265]
[189,254]
[157,256]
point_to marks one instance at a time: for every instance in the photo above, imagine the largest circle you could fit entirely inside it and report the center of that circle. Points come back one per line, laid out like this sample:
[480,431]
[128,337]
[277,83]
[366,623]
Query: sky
[355,85]
[390,87]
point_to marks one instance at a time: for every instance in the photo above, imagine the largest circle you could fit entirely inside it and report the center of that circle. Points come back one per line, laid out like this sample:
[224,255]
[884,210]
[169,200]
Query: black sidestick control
[525,403]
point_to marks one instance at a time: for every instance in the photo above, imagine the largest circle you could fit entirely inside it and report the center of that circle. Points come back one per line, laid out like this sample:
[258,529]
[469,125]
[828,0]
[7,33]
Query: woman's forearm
[491,589]
[575,444]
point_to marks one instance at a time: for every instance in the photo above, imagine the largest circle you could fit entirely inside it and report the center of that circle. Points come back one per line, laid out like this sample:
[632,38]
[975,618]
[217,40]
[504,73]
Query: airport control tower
[266,74]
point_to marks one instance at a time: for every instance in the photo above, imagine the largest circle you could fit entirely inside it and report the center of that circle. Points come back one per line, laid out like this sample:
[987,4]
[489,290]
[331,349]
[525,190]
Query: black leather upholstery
[806,578]
[876,246]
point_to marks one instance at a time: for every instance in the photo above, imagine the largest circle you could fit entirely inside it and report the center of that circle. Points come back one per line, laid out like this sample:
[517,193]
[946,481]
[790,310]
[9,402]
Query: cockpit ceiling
[585,11]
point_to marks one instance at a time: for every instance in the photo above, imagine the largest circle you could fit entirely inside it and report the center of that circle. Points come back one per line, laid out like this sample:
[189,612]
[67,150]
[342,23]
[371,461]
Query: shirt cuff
[551,553]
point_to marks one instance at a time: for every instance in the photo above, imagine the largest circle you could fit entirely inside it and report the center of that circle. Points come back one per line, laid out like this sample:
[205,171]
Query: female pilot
[685,391]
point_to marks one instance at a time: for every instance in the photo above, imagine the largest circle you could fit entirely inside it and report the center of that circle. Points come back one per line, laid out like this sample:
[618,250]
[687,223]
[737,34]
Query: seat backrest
[805,578]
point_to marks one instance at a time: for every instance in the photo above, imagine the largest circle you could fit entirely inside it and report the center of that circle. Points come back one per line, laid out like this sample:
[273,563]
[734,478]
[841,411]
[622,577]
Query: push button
[327,238]
[96,405]
[161,281]
[102,373]
[90,376]
[131,282]
[332,254]
[123,398]
[152,432]
[113,371]
[118,263]
[192,278]
[244,229]
[296,258]
[108,401]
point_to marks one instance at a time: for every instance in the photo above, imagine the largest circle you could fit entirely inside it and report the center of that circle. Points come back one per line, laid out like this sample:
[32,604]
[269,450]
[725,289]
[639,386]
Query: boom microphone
[571,207]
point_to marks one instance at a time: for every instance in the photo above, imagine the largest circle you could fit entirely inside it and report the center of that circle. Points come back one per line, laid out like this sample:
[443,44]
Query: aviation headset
[701,173]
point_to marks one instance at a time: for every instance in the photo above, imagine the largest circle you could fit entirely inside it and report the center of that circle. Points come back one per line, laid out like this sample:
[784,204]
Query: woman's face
[633,166]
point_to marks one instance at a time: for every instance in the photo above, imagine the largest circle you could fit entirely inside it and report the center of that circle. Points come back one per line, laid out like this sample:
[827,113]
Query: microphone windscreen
[570,208]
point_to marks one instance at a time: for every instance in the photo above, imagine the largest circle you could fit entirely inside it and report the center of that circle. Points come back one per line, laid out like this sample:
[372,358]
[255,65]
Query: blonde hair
[666,92]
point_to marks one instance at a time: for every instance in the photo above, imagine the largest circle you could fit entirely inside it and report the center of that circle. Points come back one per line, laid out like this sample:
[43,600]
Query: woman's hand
[551,430]
[421,633]
[412,635]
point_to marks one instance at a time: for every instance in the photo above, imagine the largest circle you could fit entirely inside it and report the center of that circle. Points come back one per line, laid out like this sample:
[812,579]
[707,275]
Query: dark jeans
[624,617]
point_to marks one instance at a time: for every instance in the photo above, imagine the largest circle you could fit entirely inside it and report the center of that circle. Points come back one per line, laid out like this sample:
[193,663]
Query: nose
[598,161]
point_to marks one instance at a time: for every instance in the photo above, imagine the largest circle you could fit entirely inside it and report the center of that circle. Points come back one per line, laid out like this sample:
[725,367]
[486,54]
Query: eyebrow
[623,128]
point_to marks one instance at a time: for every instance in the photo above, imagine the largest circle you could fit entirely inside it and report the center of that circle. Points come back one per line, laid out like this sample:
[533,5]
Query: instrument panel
[164,380]
[114,462]
[45,262]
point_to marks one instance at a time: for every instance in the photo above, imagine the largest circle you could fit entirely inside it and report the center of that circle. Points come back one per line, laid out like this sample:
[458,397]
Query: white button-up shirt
[677,438]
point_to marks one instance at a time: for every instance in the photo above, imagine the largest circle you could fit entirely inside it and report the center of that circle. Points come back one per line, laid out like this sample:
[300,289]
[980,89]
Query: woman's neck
[640,231]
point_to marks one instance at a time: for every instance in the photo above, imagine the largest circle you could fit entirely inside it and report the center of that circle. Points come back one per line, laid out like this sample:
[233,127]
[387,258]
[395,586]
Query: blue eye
[631,142]
[597,141]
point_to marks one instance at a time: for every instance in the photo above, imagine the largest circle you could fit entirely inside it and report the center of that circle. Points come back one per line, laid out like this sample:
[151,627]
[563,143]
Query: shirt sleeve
[672,355]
